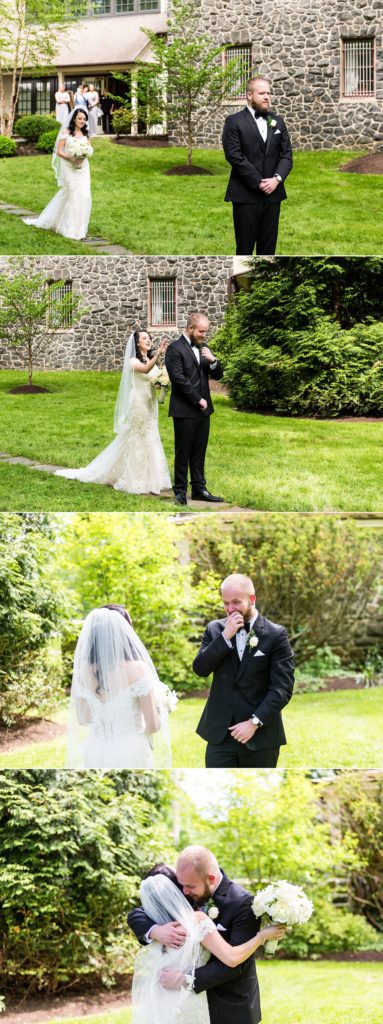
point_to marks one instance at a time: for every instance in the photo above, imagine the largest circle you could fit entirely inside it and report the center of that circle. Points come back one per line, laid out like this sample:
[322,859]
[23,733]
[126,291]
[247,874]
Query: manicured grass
[136,205]
[16,238]
[262,462]
[337,730]
[298,993]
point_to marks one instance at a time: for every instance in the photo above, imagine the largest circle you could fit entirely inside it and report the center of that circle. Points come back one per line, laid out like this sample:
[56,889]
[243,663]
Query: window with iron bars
[162,302]
[242,56]
[56,295]
[358,67]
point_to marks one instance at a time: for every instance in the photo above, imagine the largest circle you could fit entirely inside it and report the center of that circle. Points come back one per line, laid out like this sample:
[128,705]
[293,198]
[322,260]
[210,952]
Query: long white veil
[57,162]
[151,1003]
[127,383]
[112,671]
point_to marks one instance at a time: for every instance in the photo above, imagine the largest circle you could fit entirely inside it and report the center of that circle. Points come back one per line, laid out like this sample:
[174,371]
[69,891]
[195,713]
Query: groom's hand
[234,622]
[172,979]
[172,934]
[268,185]
[202,404]
[243,731]
[207,354]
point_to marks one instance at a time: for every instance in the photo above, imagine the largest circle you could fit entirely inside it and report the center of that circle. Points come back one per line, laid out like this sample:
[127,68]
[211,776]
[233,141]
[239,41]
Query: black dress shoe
[180,499]
[206,496]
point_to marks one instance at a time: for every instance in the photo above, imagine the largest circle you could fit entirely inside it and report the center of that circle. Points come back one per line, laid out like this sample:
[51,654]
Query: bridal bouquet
[79,148]
[169,698]
[162,383]
[284,903]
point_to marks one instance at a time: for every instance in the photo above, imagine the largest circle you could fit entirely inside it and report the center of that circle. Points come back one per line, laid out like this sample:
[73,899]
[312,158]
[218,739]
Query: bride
[118,706]
[68,212]
[163,901]
[135,461]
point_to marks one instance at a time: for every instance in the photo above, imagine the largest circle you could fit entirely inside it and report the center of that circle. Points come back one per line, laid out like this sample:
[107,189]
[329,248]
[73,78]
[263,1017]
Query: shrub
[7,146]
[46,141]
[31,126]
[330,930]
[122,121]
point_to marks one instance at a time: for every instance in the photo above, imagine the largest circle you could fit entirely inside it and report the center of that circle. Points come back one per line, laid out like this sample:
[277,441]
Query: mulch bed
[28,149]
[144,142]
[29,730]
[371,164]
[28,389]
[184,170]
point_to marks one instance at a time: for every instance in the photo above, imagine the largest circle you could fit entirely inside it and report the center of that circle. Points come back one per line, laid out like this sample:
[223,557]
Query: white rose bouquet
[79,149]
[162,383]
[169,698]
[284,903]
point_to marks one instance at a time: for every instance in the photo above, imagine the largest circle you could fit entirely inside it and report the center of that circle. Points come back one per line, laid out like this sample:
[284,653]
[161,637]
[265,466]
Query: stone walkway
[95,242]
[200,506]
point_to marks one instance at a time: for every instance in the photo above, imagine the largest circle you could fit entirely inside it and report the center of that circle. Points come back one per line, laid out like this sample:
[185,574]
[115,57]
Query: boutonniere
[271,122]
[252,639]
[212,910]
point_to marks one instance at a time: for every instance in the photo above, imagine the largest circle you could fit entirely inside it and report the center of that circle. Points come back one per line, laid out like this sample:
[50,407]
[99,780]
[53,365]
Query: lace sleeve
[154,373]
[142,686]
[205,927]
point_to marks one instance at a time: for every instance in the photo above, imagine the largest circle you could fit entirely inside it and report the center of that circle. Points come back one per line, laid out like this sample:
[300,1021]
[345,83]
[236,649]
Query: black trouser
[256,224]
[231,754]
[190,442]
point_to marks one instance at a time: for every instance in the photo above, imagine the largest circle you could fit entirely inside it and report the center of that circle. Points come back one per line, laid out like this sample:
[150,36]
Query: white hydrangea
[284,903]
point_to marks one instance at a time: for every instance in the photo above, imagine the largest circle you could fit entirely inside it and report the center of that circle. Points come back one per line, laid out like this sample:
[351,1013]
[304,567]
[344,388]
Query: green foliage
[323,663]
[46,141]
[7,146]
[317,576]
[330,930]
[295,343]
[137,563]
[31,308]
[74,846]
[361,803]
[122,121]
[29,614]
[31,126]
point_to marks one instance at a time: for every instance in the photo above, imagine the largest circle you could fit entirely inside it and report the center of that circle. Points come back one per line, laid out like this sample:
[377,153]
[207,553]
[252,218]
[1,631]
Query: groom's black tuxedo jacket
[233,993]
[252,159]
[189,380]
[260,684]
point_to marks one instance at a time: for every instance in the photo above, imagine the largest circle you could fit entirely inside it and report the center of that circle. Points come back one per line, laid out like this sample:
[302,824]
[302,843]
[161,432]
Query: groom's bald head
[198,872]
[238,595]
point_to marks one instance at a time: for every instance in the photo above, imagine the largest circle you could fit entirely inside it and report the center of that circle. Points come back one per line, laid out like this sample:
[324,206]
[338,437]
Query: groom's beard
[206,895]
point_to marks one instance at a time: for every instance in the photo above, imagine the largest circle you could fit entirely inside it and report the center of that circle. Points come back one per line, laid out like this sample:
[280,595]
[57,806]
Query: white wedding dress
[194,1008]
[127,744]
[69,211]
[135,460]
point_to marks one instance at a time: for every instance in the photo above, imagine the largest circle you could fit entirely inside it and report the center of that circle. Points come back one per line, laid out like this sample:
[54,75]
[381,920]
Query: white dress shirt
[241,636]
[196,351]
[260,122]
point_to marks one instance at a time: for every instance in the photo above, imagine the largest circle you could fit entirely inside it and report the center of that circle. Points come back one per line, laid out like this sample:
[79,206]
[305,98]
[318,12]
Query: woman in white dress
[68,212]
[118,706]
[94,108]
[135,461]
[62,98]
[163,901]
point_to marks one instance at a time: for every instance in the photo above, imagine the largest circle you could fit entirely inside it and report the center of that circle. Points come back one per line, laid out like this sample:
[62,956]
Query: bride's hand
[163,345]
[273,931]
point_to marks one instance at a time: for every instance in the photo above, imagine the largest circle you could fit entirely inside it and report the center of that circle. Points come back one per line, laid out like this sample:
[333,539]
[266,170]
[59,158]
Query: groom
[233,993]
[190,364]
[257,145]
[253,678]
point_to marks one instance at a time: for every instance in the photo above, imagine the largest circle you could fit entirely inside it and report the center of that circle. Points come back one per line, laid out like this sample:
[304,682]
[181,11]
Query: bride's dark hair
[72,122]
[136,337]
[121,609]
[163,869]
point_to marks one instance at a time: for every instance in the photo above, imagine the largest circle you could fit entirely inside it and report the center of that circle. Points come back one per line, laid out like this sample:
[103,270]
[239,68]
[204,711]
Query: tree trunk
[337,299]
[30,362]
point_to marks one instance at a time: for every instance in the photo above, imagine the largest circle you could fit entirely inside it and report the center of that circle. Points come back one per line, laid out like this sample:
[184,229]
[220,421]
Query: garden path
[95,242]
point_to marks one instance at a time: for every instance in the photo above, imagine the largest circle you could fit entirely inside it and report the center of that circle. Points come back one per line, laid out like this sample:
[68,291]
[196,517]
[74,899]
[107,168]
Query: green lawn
[337,730]
[297,993]
[263,462]
[136,205]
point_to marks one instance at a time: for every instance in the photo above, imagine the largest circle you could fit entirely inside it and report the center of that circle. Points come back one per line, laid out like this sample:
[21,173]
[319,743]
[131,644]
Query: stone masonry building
[122,293]
[324,59]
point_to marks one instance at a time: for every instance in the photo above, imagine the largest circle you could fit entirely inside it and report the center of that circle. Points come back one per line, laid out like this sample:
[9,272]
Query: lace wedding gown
[135,461]
[68,212]
[117,736]
[194,1009]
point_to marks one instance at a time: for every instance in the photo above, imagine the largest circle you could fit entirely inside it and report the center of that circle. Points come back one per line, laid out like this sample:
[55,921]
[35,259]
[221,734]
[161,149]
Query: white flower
[170,699]
[273,123]
[284,903]
[253,642]
[163,378]
[79,148]
[213,913]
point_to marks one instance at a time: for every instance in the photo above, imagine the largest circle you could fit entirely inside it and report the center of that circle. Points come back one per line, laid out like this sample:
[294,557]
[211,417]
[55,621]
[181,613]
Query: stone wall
[297,44]
[116,291]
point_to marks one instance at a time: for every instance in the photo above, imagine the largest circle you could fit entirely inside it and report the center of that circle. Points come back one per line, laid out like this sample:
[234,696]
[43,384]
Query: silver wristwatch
[278,177]
[255,720]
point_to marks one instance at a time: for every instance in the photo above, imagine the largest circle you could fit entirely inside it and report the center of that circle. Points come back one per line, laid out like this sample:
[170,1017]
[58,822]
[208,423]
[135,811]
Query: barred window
[358,67]
[64,290]
[162,302]
[24,104]
[243,69]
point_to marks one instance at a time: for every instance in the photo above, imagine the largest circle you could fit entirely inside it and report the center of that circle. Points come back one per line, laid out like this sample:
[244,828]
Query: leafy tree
[185,79]
[73,850]
[317,576]
[360,799]
[30,608]
[29,35]
[307,338]
[31,308]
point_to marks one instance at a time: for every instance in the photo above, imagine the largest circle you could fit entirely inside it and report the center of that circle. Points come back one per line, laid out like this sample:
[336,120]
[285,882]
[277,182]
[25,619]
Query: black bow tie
[194,345]
[246,627]
[258,114]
